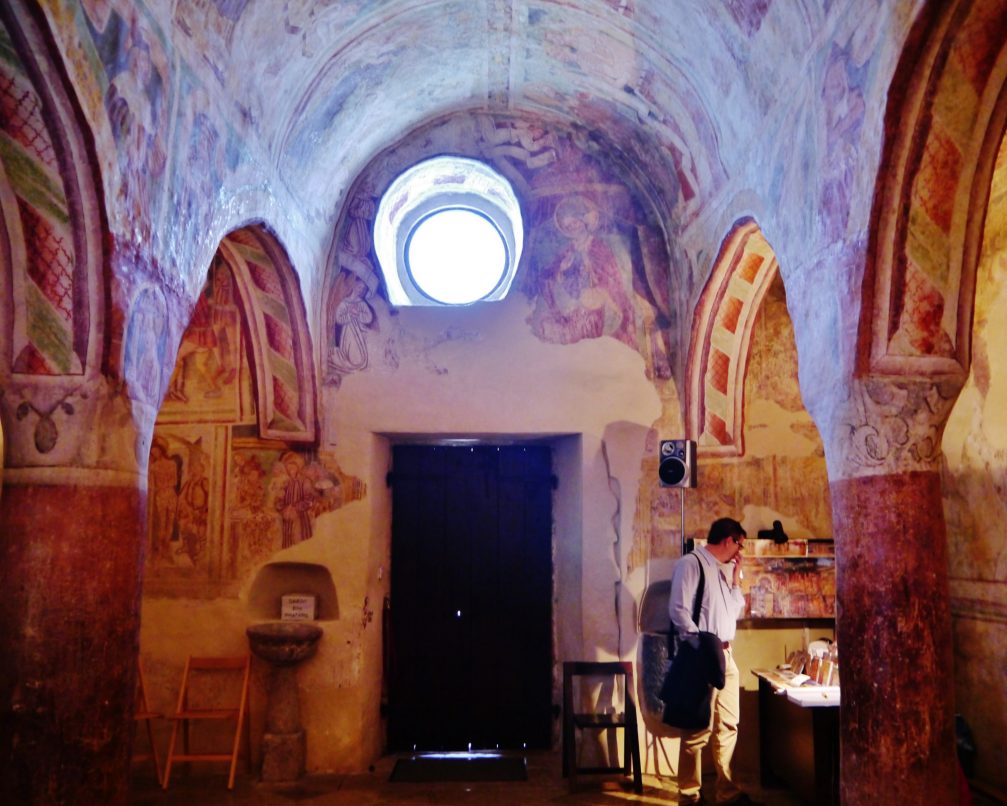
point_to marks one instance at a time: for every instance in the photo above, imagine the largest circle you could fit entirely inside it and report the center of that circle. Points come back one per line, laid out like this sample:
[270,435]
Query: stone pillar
[893,612]
[71,557]
[894,634]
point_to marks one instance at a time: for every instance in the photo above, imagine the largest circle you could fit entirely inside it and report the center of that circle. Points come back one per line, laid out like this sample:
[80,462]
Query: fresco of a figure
[295,500]
[355,284]
[597,261]
[164,482]
[353,318]
[223,499]
[582,292]
[193,508]
[181,511]
[843,102]
[275,496]
[206,368]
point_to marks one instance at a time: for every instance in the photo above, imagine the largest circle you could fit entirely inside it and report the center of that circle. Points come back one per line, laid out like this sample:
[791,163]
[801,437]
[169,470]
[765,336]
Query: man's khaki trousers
[722,734]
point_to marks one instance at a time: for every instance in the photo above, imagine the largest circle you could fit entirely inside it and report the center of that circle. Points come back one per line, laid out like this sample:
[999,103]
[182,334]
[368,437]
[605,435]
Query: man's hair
[723,528]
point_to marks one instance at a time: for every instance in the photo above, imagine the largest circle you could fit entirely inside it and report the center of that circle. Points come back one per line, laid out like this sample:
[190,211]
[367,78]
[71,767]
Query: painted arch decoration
[51,254]
[721,339]
[280,342]
[947,117]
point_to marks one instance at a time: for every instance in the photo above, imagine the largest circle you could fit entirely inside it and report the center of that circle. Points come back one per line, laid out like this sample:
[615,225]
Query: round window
[448,232]
[456,256]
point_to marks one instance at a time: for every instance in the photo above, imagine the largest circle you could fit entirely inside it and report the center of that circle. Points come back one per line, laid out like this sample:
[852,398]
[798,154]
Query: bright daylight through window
[448,232]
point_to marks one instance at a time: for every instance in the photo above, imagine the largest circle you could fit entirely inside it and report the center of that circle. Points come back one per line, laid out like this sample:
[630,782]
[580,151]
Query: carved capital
[91,426]
[888,425]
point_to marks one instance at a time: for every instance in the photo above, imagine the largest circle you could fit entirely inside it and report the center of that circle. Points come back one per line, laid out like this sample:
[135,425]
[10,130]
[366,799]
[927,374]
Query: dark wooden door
[471,608]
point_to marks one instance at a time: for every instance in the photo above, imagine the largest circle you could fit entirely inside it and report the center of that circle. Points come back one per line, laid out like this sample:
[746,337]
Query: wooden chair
[202,681]
[145,715]
[572,720]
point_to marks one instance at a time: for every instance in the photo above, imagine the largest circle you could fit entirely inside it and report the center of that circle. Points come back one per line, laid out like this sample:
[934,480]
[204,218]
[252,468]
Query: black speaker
[678,463]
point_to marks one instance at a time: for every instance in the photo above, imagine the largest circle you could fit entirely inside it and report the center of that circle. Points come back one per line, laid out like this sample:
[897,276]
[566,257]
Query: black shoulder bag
[692,673]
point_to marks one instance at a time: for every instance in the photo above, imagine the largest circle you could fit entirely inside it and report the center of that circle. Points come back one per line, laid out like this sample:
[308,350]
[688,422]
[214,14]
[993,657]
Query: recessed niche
[279,579]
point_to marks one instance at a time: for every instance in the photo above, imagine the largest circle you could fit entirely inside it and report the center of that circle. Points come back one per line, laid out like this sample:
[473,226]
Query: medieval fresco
[816,174]
[357,279]
[581,289]
[221,498]
[278,495]
[204,150]
[974,487]
[923,288]
[221,501]
[842,99]
[48,331]
[174,146]
[204,384]
[781,474]
[281,343]
[183,466]
[597,264]
[129,51]
[772,358]
[209,25]
[796,579]
[975,437]
[744,271]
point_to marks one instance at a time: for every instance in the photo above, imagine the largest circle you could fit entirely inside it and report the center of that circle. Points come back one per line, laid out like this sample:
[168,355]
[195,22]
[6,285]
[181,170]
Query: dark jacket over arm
[687,691]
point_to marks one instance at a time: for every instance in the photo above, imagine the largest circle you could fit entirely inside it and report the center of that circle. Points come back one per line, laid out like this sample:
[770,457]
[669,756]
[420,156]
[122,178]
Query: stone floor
[545,785]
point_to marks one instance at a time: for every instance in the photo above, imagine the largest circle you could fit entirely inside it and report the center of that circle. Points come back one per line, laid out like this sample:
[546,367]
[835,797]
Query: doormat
[460,767]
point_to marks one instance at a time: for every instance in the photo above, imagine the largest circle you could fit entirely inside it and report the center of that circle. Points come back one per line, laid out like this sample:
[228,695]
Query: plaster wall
[481,372]
[975,505]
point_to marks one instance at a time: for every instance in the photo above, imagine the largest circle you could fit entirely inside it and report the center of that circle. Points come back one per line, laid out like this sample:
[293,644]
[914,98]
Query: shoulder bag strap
[698,604]
[696,607]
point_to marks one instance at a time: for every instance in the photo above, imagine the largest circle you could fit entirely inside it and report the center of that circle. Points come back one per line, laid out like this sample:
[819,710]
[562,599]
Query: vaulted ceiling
[694,93]
[242,113]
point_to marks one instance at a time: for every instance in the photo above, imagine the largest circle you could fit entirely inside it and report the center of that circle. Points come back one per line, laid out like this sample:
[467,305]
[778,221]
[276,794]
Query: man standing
[719,561]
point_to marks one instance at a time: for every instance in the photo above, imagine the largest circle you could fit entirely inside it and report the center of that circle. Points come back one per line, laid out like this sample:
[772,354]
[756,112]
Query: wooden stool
[600,721]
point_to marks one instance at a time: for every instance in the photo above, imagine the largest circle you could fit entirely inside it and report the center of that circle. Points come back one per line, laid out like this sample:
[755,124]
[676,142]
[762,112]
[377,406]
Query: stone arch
[280,341]
[51,227]
[721,337]
[945,120]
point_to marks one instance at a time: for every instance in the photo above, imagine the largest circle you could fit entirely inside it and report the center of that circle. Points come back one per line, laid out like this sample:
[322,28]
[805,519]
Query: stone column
[71,556]
[893,613]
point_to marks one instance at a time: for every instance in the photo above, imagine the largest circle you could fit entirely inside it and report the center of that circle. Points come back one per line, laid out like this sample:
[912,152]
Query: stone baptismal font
[283,644]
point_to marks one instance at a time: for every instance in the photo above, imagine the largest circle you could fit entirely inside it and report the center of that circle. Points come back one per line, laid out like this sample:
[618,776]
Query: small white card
[297,607]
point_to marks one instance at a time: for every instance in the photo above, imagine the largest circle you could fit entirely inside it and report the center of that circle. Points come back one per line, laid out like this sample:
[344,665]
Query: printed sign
[297,607]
